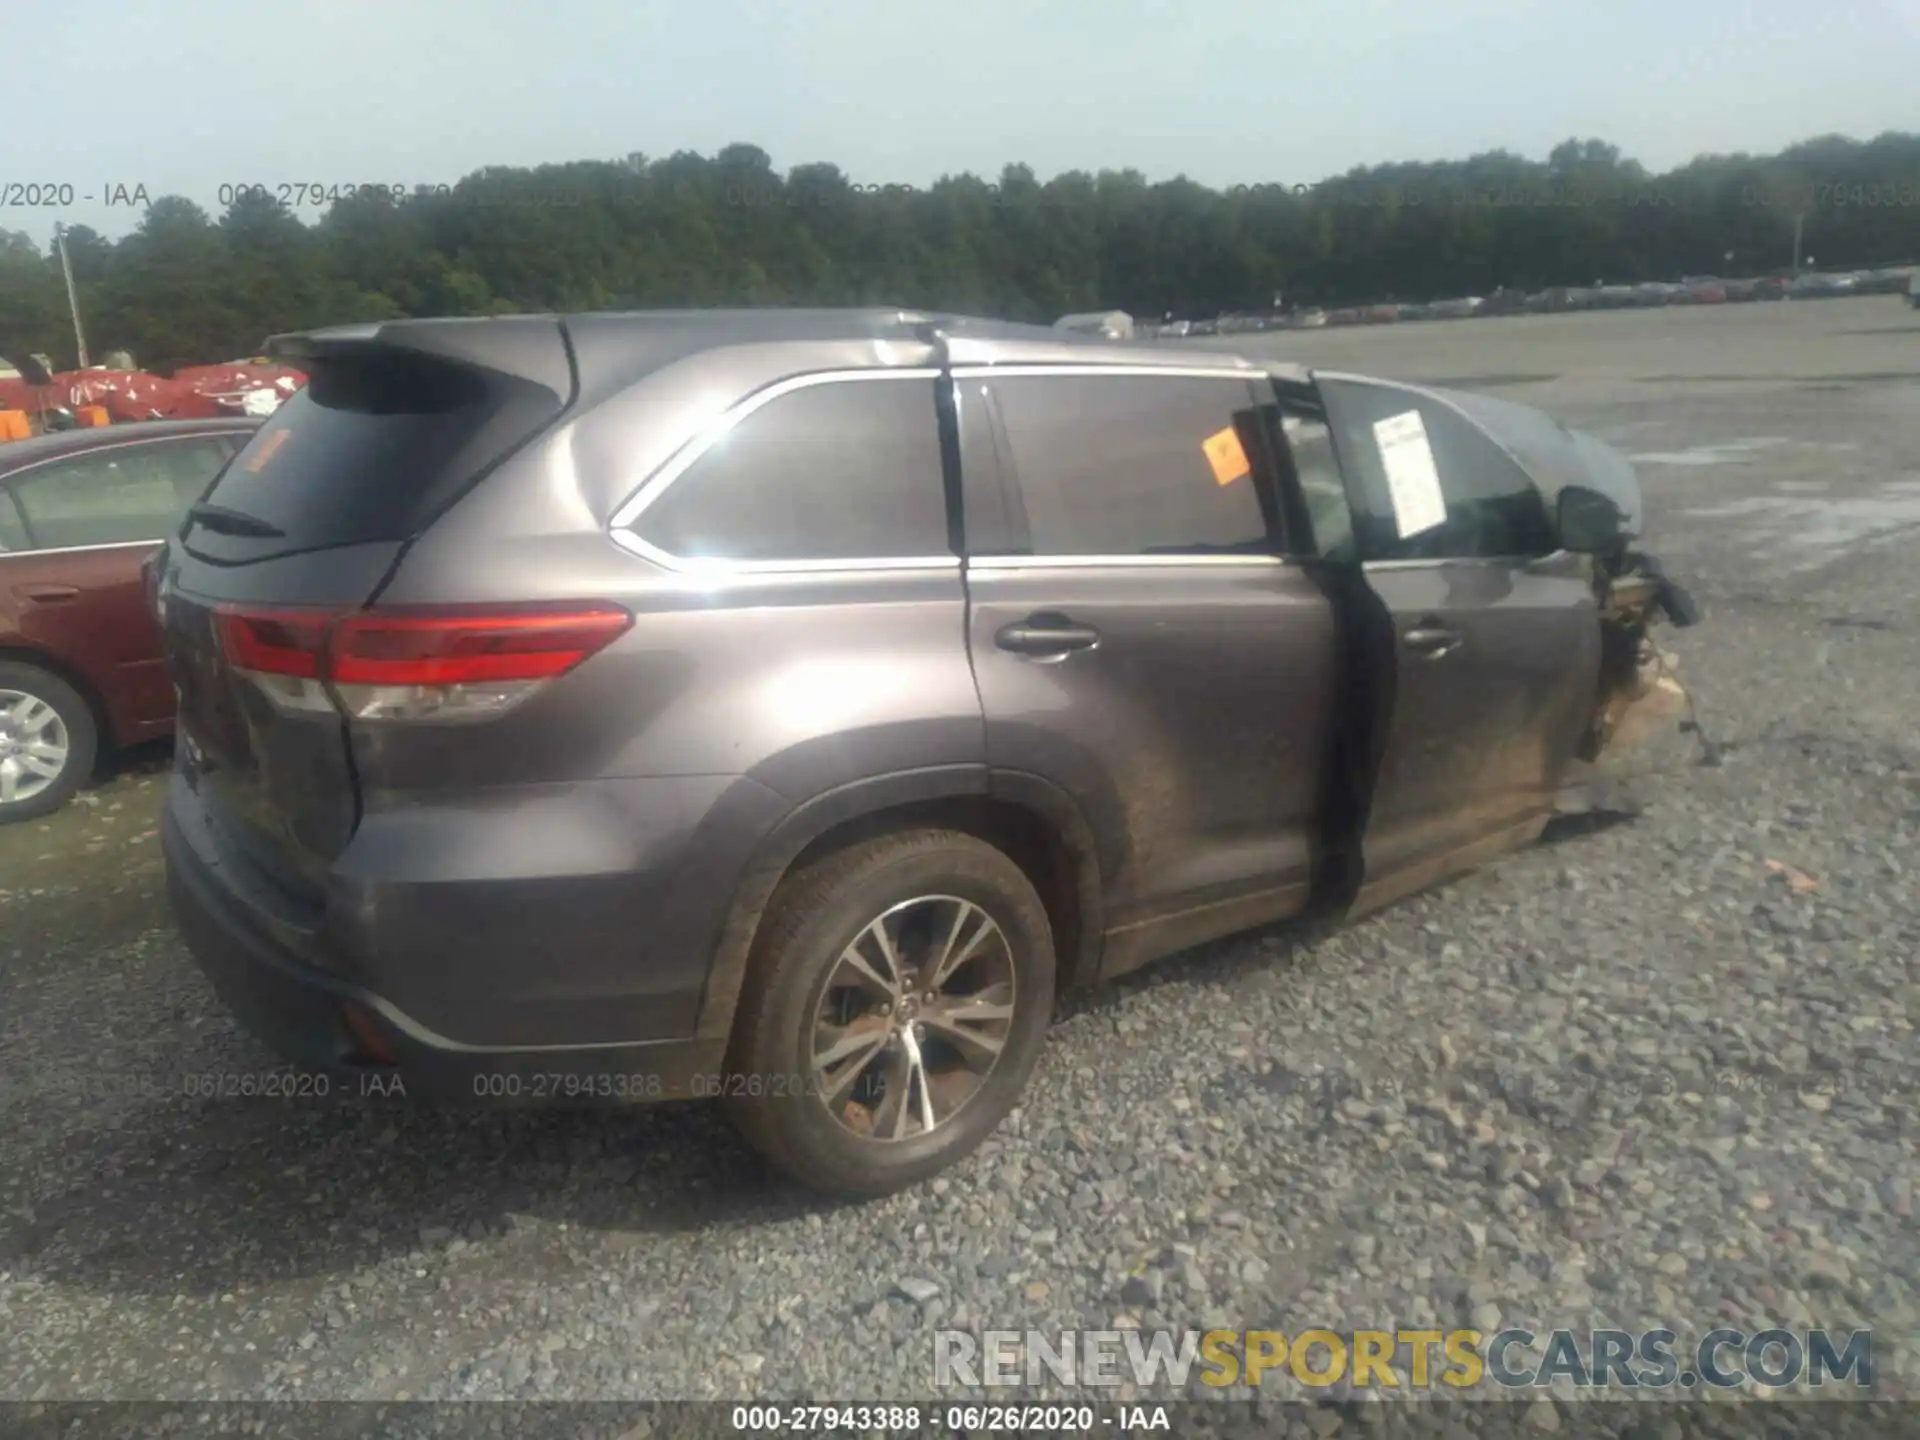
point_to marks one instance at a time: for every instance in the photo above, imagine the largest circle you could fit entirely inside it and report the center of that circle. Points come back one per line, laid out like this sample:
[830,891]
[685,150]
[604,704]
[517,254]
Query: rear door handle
[1039,635]
[47,594]
[1432,639]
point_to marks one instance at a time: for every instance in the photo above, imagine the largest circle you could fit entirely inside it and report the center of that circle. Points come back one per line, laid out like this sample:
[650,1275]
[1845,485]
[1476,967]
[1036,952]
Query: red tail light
[463,648]
[275,642]
[450,662]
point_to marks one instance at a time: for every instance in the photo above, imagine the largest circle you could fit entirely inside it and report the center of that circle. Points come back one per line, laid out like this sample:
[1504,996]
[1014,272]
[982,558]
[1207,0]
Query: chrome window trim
[719,572]
[1086,562]
[622,533]
[1556,557]
[8,477]
[80,549]
[1190,372]
[698,568]
[620,527]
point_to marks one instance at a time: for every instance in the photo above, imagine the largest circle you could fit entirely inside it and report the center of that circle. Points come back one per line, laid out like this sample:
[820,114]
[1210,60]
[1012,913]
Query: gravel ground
[1660,1071]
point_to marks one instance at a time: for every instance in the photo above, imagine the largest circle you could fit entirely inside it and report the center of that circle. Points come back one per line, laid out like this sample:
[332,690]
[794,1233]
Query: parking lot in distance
[1636,1076]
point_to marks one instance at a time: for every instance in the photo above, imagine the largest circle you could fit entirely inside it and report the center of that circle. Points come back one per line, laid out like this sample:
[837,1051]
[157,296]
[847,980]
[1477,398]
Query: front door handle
[1432,639]
[1046,635]
[47,594]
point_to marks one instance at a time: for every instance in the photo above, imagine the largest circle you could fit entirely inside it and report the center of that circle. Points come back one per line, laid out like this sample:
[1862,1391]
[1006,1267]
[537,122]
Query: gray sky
[182,98]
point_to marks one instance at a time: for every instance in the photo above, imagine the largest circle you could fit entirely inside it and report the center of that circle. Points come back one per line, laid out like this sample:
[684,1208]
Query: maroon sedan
[80,665]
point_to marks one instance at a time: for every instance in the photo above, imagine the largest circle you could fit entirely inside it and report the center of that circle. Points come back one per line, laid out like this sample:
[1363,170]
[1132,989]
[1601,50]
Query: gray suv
[784,707]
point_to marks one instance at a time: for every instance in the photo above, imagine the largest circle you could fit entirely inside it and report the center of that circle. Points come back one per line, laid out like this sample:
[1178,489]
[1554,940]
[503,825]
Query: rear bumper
[267,973]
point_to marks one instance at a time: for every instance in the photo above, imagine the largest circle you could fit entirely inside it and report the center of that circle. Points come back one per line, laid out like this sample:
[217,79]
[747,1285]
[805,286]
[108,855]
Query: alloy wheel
[913,1018]
[34,746]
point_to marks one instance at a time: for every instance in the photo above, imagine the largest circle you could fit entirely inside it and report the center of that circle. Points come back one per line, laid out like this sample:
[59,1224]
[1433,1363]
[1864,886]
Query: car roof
[18,453]
[612,349]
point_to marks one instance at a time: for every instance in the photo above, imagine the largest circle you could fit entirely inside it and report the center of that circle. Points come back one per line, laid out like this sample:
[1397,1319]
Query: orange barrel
[14,426]
[91,415]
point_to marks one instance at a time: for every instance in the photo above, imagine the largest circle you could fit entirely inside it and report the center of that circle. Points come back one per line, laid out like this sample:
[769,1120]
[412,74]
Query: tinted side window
[120,493]
[13,530]
[1135,464]
[1492,509]
[1328,513]
[846,470]
[995,523]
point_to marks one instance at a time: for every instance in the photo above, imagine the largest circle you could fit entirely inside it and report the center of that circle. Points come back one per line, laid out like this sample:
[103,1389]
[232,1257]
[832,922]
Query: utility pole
[73,298]
[1796,242]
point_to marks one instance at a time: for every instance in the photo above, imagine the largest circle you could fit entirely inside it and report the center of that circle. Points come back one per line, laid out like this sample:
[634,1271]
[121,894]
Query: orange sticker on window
[269,447]
[1225,455]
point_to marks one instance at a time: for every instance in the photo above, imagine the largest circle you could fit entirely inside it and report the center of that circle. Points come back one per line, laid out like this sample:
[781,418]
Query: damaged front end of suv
[1594,497]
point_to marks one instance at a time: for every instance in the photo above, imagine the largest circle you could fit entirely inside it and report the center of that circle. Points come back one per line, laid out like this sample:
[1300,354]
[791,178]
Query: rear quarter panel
[615,814]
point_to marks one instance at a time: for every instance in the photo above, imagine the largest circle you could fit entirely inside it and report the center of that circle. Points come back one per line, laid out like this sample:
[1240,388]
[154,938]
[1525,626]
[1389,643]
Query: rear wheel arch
[1030,821]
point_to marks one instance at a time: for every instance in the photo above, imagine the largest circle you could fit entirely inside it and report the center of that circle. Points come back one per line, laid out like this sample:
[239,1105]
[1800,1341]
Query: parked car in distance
[1816,285]
[1913,290]
[539,721]
[1698,290]
[1107,324]
[1882,282]
[1770,287]
[1739,290]
[1311,319]
[81,672]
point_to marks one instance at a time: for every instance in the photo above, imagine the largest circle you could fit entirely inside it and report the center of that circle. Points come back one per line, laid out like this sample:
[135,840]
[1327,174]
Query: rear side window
[1487,508]
[995,524]
[1135,464]
[368,450]
[116,494]
[841,470]
[13,530]
[1322,491]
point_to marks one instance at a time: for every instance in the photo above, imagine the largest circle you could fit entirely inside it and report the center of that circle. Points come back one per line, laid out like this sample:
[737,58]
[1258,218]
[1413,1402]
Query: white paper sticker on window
[1411,478]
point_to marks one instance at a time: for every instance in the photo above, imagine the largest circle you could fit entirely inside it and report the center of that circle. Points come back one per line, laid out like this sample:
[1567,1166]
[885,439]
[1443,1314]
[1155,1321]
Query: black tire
[76,720]
[814,916]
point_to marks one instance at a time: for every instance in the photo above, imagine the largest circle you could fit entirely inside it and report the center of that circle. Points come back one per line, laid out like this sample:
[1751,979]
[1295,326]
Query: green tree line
[688,230]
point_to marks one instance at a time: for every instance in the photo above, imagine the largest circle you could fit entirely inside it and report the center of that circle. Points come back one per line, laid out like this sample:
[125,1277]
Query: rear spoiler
[529,348]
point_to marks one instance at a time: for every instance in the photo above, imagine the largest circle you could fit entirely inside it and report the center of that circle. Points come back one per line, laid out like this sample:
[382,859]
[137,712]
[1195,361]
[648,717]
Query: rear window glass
[368,449]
